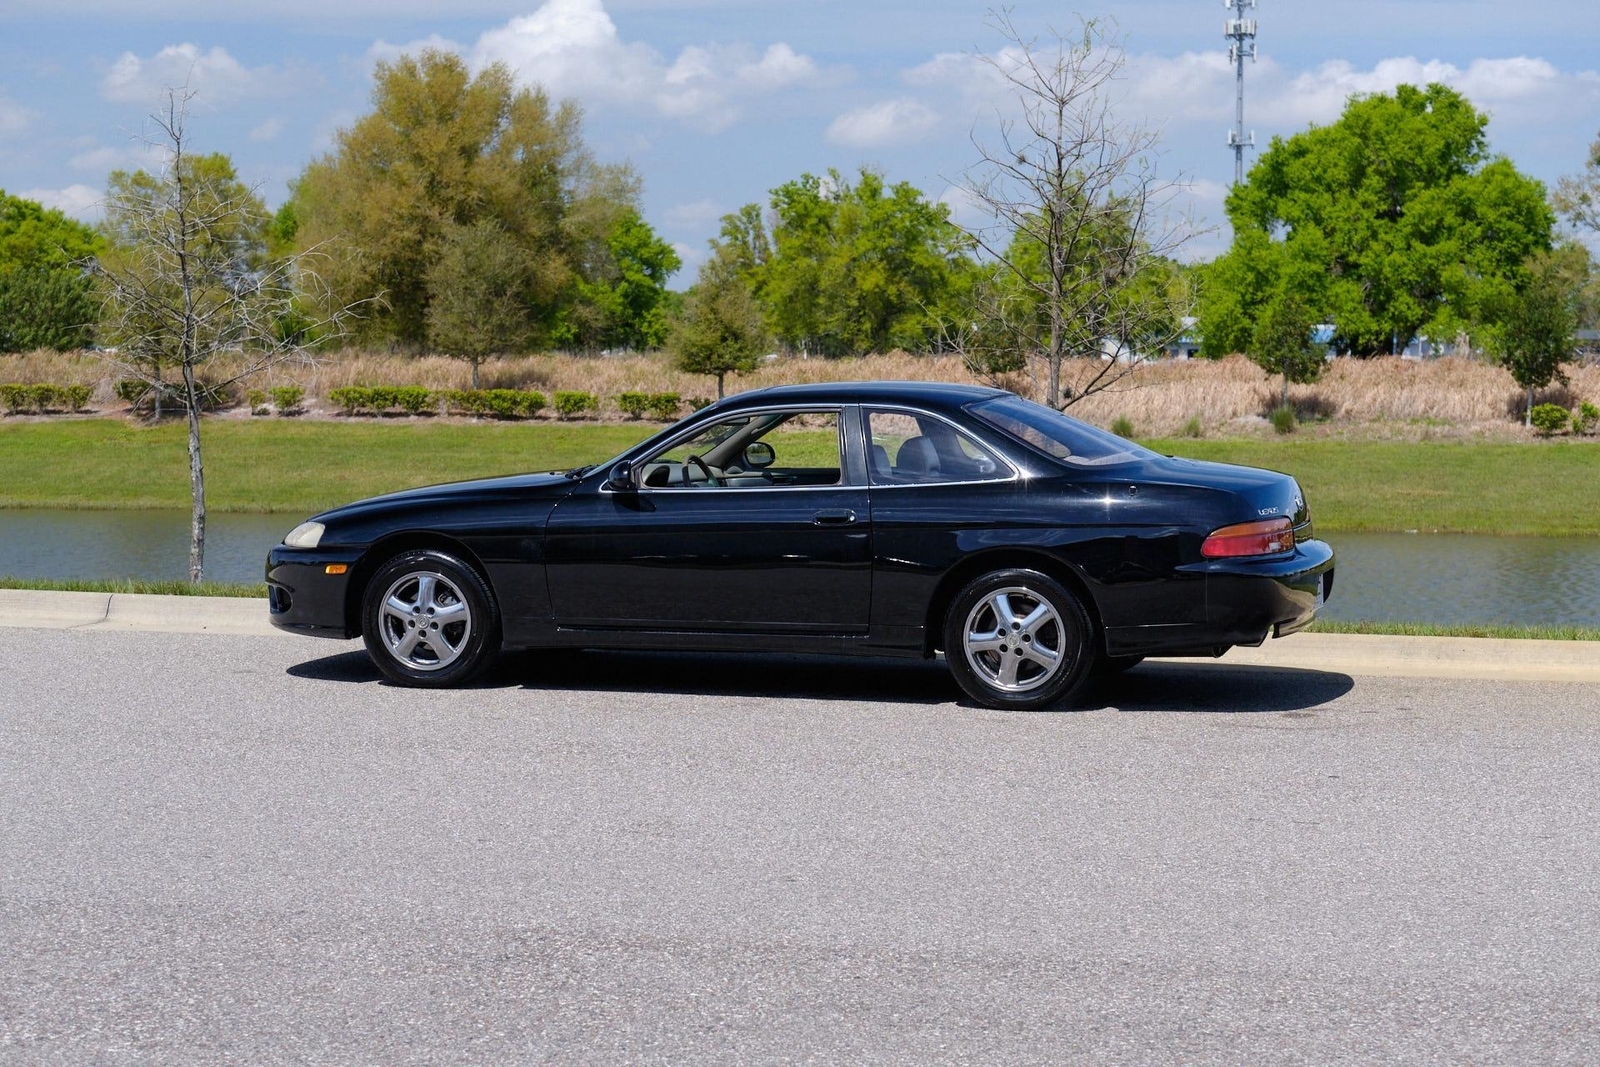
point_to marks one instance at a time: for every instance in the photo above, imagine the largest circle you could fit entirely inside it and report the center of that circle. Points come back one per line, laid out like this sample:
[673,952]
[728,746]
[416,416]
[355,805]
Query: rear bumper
[304,599]
[1247,601]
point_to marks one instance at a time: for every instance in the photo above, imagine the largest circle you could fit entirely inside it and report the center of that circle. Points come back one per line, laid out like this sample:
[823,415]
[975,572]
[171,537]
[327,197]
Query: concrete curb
[41,609]
[1357,654]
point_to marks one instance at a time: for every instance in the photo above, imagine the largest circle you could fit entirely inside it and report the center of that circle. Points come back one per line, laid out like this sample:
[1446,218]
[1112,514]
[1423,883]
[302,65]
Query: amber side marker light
[1265,538]
[336,568]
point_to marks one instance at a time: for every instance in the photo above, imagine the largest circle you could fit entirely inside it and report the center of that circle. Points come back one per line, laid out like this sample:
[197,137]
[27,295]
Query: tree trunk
[1527,414]
[719,387]
[156,402]
[197,482]
[1286,390]
[475,375]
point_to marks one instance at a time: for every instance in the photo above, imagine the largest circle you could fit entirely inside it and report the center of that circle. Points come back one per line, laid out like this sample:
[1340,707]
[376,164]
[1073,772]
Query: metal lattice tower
[1241,34]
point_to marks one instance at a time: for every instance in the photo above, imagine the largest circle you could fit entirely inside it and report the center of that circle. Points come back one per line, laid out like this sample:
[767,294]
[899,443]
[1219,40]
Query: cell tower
[1241,34]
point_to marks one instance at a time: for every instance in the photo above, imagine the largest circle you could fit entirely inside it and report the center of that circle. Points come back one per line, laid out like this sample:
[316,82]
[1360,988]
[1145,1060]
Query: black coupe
[883,519]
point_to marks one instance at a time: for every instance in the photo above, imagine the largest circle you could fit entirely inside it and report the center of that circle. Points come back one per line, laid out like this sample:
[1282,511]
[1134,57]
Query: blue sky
[716,101]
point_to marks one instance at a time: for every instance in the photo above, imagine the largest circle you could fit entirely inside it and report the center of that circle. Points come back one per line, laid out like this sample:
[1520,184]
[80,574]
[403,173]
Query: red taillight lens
[1265,538]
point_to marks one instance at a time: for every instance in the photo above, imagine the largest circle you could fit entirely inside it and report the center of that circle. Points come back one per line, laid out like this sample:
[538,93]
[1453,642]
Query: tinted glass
[1056,434]
[911,449]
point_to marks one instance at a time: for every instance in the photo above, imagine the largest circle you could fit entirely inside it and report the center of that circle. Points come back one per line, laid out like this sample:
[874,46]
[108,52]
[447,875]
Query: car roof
[932,394]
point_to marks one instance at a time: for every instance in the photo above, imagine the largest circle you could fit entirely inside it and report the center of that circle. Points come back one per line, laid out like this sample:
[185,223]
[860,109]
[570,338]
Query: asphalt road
[224,849]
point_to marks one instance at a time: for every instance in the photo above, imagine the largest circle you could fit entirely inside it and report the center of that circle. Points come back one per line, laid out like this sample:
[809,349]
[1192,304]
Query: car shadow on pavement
[1176,686]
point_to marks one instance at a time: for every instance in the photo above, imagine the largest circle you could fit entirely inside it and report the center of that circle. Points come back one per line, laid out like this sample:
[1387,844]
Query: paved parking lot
[234,848]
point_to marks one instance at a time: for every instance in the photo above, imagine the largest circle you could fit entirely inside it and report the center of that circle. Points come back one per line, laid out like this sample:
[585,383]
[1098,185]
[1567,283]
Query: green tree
[850,268]
[1577,197]
[1282,343]
[720,331]
[1536,322]
[1396,215]
[624,301]
[46,295]
[480,285]
[444,149]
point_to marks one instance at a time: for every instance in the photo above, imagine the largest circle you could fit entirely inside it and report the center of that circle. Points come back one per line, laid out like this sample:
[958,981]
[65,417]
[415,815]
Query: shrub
[502,403]
[286,398]
[350,399]
[1585,417]
[1549,418]
[13,396]
[698,402]
[45,398]
[1283,419]
[76,397]
[1192,428]
[257,399]
[571,403]
[384,397]
[464,401]
[634,405]
[664,406]
[531,403]
[1122,426]
[413,399]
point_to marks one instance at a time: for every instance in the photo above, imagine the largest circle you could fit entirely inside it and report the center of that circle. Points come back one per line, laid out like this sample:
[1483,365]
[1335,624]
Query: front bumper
[303,598]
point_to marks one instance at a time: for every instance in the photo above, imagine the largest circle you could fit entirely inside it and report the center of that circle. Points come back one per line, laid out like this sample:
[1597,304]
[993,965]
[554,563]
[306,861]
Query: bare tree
[1081,230]
[186,278]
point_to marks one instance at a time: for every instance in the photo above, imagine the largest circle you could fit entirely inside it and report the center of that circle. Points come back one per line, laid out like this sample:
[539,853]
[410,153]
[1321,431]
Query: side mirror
[620,480]
[758,454]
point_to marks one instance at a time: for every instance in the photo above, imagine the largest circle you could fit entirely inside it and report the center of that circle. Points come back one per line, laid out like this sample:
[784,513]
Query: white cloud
[1199,86]
[694,213]
[573,49]
[891,122]
[215,75]
[79,201]
[267,130]
[14,118]
[383,50]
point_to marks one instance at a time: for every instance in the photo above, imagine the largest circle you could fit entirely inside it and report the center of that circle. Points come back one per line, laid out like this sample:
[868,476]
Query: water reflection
[1442,578]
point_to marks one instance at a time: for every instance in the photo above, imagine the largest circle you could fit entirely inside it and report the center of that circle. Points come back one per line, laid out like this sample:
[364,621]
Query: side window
[760,451]
[910,449]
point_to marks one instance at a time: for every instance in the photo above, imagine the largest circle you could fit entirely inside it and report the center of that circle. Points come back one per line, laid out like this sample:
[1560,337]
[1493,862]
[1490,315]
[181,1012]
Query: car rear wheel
[429,620]
[1018,639]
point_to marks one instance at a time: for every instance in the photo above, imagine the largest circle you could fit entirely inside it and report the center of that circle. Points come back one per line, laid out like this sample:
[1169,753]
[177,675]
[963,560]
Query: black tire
[450,604]
[1008,667]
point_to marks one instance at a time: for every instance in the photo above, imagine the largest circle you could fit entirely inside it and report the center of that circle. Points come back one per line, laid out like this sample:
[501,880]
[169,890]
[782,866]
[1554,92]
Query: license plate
[1322,584]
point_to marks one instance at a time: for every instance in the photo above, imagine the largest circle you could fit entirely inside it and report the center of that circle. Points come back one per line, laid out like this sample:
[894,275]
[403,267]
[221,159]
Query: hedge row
[43,399]
[500,403]
[1551,419]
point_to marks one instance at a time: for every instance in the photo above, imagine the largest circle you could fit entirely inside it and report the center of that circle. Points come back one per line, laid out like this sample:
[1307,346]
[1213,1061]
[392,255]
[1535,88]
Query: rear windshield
[1055,434]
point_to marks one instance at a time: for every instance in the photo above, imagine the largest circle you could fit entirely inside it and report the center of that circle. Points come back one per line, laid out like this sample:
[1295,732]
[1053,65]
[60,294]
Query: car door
[721,534]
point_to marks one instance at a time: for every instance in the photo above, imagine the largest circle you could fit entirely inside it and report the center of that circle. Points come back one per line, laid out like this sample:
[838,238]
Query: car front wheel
[429,620]
[1018,639]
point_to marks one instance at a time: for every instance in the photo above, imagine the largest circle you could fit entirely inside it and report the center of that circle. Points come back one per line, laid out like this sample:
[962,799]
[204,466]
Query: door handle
[834,518]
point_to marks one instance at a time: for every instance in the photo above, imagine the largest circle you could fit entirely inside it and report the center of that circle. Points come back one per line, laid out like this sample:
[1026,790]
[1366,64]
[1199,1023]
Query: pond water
[1440,578]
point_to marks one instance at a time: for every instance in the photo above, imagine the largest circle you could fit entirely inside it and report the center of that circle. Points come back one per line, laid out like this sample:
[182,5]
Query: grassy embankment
[281,465]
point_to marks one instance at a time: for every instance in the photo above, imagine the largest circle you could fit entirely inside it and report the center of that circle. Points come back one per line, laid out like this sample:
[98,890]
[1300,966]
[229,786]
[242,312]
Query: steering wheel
[711,479]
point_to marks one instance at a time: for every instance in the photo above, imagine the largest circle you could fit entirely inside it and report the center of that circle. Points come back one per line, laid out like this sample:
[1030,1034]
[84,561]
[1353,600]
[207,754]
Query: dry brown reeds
[1390,397]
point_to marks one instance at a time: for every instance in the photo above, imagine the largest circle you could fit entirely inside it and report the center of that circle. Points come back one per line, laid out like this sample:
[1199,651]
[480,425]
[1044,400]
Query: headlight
[306,535]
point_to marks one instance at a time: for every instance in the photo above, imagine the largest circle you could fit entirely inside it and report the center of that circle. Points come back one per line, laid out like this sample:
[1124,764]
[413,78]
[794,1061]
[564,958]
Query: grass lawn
[1550,488]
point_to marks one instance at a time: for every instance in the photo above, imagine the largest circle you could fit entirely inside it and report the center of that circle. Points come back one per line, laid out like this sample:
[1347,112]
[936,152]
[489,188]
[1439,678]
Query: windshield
[1055,434]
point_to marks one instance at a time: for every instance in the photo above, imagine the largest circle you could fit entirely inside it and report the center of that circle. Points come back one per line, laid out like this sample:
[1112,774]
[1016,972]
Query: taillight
[1265,538]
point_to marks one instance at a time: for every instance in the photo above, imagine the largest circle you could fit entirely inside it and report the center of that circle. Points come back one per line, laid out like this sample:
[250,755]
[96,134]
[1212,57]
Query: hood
[525,487]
